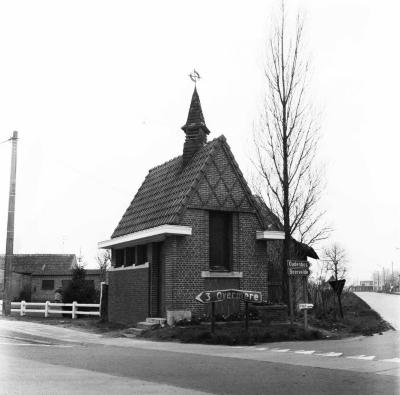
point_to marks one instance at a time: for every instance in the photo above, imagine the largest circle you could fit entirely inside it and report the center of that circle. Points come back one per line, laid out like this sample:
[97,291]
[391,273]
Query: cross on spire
[194,76]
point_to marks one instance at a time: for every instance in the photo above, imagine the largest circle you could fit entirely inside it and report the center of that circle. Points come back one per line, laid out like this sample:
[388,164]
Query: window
[130,256]
[220,237]
[119,258]
[141,254]
[47,285]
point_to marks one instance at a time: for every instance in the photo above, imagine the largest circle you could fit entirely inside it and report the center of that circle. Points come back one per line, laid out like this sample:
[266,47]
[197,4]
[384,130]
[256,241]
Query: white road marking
[391,360]
[261,349]
[280,349]
[363,357]
[330,354]
[305,352]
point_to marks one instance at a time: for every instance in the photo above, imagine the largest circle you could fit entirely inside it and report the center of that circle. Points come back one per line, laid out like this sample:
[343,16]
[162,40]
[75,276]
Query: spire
[195,129]
[195,119]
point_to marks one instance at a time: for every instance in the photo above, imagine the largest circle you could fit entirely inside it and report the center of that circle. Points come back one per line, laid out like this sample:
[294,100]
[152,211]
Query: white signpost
[305,306]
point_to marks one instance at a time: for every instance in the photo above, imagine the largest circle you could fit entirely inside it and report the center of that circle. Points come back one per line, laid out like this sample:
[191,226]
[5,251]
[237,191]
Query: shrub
[79,289]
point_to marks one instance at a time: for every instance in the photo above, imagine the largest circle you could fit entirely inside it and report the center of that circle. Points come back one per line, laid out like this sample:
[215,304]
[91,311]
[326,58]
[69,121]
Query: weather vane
[194,76]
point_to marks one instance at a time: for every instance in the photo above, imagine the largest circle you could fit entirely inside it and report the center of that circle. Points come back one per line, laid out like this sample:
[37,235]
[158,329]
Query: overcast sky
[98,91]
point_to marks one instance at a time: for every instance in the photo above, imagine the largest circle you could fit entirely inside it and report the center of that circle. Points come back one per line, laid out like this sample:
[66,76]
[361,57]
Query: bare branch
[286,142]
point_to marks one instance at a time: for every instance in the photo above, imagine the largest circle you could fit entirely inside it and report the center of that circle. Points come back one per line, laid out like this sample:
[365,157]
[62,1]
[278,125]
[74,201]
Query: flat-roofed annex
[155,234]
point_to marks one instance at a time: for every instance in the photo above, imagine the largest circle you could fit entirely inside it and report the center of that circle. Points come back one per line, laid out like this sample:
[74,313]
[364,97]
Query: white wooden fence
[47,308]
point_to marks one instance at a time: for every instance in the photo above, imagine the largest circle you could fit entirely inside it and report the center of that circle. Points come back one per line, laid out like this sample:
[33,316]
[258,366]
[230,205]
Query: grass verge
[359,319]
[233,335]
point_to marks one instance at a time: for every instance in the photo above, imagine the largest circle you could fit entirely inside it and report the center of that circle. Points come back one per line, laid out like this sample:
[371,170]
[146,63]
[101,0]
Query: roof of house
[269,217]
[168,187]
[41,264]
[303,250]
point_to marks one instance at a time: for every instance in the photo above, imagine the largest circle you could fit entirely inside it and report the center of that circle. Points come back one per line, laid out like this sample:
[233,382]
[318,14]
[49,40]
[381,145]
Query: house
[193,225]
[365,286]
[35,277]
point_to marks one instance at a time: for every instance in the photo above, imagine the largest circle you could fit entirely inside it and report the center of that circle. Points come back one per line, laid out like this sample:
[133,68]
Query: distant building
[36,277]
[194,225]
[366,283]
[365,286]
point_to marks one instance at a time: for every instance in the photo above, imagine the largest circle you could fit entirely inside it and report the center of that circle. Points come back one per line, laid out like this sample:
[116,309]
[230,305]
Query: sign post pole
[247,317]
[212,317]
[290,301]
[305,300]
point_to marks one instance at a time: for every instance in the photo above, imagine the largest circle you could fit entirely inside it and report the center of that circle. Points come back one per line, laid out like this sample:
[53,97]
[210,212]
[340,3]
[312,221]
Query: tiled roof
[41,264]
[271,221]
[304,250]
[162,195]
[300,250]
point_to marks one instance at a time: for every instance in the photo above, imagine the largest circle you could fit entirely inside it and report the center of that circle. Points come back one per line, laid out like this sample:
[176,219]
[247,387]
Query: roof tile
[41,263]
[162,194]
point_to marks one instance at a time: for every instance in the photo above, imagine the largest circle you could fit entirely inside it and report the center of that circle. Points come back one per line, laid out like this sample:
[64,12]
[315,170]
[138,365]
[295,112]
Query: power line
[9,139]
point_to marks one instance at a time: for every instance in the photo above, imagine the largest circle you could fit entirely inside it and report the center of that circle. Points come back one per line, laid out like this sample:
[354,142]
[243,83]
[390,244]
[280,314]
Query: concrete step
[146,325]
[158,321]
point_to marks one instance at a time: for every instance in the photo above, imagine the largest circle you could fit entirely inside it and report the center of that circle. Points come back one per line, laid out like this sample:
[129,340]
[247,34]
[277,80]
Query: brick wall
[186,257]
[252,255]
[169,262]
[192,257]
[128,295]
[19,283]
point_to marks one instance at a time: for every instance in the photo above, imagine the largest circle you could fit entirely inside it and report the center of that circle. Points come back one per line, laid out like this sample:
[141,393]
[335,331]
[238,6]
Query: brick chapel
[193,225]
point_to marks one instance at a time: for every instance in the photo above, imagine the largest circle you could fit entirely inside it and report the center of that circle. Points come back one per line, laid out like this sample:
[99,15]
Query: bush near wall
[79,290]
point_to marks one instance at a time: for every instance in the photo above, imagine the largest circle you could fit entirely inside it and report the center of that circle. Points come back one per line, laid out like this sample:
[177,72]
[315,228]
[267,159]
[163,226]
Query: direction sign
[305,306]
[298,272]
[228,294]
[298,264]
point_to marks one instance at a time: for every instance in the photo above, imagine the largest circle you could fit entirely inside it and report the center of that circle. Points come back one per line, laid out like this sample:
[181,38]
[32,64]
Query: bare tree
[286,141]
[335,261]
[336,264]
[104,262]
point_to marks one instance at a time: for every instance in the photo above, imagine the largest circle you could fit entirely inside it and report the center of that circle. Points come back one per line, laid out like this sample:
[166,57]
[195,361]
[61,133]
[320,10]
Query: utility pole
[392,273]
[10,229]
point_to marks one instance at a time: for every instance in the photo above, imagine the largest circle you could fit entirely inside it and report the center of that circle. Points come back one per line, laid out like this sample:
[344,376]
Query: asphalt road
[387,305]
[40,359]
